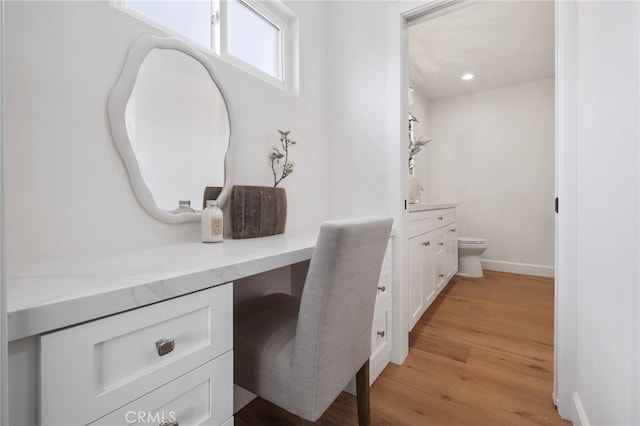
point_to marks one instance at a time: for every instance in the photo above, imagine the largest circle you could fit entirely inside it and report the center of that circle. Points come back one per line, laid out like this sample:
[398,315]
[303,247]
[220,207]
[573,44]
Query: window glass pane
[252,38]
[190,18]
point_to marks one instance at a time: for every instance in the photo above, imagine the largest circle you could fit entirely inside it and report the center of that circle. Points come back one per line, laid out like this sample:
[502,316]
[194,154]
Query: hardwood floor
[482,354]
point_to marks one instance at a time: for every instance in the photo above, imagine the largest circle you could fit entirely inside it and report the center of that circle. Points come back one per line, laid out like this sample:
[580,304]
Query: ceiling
[500,42]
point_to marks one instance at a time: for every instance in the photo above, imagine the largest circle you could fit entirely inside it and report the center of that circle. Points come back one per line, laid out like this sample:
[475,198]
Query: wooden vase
[257,211]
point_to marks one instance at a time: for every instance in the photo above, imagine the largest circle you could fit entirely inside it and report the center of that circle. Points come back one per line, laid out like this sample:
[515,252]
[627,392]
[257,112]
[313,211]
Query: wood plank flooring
[482,354]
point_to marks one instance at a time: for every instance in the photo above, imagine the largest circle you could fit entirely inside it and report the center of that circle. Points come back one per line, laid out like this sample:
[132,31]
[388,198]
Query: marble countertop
[48,295]
[430,206]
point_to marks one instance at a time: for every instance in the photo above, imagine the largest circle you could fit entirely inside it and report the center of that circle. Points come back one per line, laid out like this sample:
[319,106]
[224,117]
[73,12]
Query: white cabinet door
[441,259]
[422,284]
[427,265]
[452,250]
[416,301]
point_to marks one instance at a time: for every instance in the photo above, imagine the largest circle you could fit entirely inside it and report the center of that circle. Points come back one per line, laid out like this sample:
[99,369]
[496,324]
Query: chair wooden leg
[362,395]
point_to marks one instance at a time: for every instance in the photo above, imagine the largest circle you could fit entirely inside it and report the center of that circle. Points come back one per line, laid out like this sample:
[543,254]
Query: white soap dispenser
[212,224]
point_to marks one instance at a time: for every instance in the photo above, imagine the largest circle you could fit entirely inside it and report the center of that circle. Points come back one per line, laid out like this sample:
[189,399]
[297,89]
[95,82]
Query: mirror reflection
[178,125]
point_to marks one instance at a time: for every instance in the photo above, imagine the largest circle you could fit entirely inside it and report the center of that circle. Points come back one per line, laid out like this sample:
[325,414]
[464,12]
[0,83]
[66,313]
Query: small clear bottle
[184,207]
[212,223]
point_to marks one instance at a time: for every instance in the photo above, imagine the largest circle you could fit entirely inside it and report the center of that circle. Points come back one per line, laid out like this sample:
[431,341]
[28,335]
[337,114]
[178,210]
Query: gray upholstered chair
[300,353]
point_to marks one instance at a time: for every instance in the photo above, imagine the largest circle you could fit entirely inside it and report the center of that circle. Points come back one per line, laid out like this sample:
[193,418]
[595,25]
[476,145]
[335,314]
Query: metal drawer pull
[164,346]
[439,217]
[441,275]
[381,333]
[170,423]
[440,244]
[383,288]
[453,230]
[426,244]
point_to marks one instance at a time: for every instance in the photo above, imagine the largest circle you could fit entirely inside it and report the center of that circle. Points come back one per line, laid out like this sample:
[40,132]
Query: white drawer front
[380,329]
[421,222]
[203,396]
[380,340]
[384,283]
[445,217]
[107,363]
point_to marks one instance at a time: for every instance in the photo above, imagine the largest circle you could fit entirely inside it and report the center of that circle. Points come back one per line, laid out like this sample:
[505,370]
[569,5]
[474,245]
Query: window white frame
[273,11]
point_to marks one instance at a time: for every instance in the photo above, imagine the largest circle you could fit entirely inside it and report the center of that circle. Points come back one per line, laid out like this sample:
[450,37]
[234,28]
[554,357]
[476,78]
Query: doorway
[403,19]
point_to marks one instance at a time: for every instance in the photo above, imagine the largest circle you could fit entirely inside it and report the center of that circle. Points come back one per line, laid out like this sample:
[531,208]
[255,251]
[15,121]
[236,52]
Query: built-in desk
[47,295]
[91,326]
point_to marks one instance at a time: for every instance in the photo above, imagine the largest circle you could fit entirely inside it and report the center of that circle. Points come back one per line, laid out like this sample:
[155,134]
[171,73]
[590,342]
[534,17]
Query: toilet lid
[472,240]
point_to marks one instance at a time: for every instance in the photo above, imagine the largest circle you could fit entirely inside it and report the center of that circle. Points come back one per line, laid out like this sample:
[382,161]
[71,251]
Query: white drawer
[202,397]
[384,282]
[380,340]
[421,222]
[105,364]
[384,285]
[444,217]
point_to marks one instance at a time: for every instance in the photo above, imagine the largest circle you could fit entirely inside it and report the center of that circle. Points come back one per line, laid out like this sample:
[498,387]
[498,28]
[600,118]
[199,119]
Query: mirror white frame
[117,105]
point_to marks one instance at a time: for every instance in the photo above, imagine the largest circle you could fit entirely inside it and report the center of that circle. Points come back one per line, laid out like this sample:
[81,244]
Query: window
[253,38]
[258,36]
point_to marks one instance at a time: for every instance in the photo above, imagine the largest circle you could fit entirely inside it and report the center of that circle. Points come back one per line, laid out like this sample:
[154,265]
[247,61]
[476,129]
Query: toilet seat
[472,240]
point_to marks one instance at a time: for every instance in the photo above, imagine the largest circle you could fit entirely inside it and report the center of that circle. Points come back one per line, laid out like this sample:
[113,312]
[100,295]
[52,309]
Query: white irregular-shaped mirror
[170,123]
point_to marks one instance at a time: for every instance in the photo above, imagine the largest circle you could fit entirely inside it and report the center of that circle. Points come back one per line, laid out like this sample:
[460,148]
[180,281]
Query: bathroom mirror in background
[170,122]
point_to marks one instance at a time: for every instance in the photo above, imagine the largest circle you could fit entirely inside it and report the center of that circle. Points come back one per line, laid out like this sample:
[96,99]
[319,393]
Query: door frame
[4,412]
[565,168]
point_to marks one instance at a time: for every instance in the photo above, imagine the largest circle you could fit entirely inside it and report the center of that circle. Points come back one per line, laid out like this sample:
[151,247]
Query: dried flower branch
[277,155]
[416,146]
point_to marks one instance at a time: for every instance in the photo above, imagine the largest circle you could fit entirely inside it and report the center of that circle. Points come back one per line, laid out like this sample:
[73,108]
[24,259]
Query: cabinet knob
[441,275]
[170,423]
[428,243]
[383,288]
[453,229]
[381,333]
[440,244]
[164,346]
[439,217]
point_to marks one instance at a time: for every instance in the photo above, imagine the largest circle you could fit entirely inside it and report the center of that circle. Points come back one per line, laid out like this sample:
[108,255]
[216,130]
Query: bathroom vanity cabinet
[433,254]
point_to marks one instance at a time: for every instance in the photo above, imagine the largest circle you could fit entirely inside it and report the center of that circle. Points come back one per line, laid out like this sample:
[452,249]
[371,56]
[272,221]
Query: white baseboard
[518,268]
[580,419]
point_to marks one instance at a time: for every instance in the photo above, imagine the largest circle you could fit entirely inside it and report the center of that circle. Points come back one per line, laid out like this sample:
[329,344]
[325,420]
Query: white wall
[357,111]
[493,153]
[364,149]
[68,191]
[608,214]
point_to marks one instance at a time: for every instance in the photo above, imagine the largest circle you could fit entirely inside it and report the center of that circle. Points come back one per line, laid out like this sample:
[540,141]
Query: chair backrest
[333,335]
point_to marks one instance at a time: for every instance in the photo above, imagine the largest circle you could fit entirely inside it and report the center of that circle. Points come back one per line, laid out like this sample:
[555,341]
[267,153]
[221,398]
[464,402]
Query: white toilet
[469,251]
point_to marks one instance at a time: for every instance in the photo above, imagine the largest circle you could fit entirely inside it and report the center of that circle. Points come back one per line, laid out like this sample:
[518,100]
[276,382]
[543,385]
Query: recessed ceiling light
[468,76]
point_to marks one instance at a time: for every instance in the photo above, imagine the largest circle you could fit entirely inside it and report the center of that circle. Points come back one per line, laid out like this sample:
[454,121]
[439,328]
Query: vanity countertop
[430,206]
[47,295]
